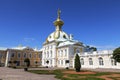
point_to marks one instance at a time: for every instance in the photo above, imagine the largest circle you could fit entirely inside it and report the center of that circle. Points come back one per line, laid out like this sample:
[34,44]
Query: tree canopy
[27,61]
[94,48]
[91,48]
[116,54]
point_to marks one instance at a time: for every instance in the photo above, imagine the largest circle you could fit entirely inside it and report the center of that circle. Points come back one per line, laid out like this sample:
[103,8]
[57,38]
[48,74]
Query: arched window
[82,61]
[90,61]
[101,61]
[30,55]
[113,62]
[64,36]
[24,55]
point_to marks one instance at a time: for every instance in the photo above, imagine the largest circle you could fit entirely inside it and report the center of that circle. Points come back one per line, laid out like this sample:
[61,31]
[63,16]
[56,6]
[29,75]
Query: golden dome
[58,34]
[58,22]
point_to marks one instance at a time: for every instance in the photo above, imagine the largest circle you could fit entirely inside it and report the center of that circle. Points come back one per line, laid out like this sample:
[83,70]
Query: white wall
[95,57]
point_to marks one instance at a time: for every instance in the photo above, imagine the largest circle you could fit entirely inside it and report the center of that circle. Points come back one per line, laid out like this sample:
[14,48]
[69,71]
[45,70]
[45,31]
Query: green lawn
[65,76]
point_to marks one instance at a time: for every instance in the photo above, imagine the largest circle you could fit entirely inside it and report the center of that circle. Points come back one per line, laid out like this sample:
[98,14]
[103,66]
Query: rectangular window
[61,62]
[51,46]
[35,55]
[65,52]
[51,62]
[58,62]
[44,61]
[61,53]
[0,56]
[51,53]
[58,53]
[12,55]
[18,55]
[40,55]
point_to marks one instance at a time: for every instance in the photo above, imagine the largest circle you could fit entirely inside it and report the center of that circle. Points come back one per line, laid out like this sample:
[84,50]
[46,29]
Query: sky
[29,22]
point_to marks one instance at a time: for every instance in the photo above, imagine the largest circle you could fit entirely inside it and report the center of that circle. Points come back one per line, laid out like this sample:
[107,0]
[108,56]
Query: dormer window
[49,36]
[64,36]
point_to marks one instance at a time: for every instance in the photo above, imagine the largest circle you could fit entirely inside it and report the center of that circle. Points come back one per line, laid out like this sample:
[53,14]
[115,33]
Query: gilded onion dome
[58,34]
[58,23]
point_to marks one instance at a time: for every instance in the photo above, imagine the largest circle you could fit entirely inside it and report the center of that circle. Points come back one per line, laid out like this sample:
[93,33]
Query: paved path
[20,74]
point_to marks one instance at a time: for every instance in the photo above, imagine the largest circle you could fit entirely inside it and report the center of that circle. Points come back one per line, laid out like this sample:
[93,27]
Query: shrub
[27,62]
[77,63]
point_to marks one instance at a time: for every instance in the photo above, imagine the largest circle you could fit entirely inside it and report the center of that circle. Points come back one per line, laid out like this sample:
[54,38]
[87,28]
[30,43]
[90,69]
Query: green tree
[27,62]
[116,54]
[77,63]
[94,48]
[91,48]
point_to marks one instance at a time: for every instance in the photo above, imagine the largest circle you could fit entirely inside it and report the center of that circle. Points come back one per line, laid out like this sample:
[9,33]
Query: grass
[115,78]
[64,76]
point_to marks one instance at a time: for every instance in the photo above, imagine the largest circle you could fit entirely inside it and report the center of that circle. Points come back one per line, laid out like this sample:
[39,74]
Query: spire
[58,13]
[58,23]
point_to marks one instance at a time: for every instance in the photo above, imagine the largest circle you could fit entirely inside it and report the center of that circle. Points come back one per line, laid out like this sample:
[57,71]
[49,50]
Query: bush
[77,63]
[27,61]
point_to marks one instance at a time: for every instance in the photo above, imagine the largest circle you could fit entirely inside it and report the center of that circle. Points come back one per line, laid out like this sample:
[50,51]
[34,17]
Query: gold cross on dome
[59,13]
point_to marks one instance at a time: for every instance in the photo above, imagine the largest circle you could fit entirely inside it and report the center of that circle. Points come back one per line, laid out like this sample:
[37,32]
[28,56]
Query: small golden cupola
[58,23]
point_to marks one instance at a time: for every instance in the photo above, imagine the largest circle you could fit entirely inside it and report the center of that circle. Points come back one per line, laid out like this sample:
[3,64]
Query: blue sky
[29,22]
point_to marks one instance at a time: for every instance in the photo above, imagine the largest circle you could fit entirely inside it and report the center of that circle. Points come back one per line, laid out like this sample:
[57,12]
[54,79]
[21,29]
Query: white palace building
[59,50]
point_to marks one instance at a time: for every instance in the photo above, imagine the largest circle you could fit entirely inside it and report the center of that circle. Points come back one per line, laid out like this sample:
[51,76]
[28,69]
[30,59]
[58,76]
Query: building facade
[99,59]
[19,54]
[59,50]
[2,57]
